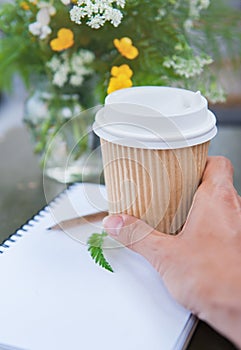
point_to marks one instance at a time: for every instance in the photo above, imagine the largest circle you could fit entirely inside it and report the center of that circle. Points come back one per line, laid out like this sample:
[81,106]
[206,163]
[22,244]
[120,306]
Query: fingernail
[113,224]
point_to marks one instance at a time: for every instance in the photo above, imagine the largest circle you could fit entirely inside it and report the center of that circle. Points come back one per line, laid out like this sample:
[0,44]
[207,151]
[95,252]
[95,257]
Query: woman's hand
[201,266]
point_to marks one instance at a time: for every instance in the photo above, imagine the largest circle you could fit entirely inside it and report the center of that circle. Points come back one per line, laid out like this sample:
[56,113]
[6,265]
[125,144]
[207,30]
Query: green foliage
[95,247]
[18,52]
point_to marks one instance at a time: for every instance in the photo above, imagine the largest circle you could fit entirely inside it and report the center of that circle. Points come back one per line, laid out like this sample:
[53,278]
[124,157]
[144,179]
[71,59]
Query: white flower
[79,61]
[41,27]
[81,2]
[120,3]
[96,21]
[72,70]
[187,67]
[76,80]
[91,9]
[114,16]
[83,70]
[87,56]
[66,112]
[216,94]
[54,63]
[51,9]
[40,30]
[65,67]
[76,14]
[35,28]
[45,31]
[60,78]
[43,16]
[98,12]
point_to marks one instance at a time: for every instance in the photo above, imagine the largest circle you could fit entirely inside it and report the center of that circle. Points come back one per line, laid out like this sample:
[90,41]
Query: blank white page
[53,296]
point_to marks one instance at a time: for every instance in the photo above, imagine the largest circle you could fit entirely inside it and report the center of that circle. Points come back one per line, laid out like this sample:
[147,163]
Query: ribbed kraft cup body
[156,186]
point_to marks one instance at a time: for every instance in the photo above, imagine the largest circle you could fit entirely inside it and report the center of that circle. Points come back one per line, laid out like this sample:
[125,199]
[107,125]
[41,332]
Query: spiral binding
[13,238]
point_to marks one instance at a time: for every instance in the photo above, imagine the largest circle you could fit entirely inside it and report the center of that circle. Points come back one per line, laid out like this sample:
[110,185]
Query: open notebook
[53,296]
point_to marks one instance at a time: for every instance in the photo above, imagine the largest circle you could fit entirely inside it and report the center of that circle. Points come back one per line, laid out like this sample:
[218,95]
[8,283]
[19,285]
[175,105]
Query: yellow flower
[64,40]
[125,47]
[24,5]
[117,83]
[124,69]
[120,78]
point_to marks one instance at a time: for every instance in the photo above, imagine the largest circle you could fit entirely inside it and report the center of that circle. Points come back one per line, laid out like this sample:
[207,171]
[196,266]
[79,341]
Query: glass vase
[61,132]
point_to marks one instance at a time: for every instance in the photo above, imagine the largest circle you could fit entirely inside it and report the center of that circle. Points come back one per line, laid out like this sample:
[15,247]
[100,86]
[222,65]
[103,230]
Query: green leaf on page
[95,247]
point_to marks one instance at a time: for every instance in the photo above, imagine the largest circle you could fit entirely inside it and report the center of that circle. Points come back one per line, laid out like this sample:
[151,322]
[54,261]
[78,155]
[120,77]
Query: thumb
[138,236]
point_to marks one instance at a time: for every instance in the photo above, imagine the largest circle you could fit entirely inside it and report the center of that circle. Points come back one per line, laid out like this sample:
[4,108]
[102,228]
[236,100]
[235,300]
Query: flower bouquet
[89,48]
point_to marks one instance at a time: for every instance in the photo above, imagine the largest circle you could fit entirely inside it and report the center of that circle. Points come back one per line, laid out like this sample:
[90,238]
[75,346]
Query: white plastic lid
[155,117]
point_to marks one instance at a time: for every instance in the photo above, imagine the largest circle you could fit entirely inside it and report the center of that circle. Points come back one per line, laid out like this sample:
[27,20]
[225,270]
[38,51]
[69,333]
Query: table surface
[22,195]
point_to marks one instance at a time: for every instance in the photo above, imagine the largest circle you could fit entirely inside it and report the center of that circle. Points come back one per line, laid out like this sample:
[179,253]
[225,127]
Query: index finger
[218,171]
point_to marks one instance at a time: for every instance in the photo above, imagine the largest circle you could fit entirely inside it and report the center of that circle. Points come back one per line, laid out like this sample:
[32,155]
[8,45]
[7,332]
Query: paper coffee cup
[154,143]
